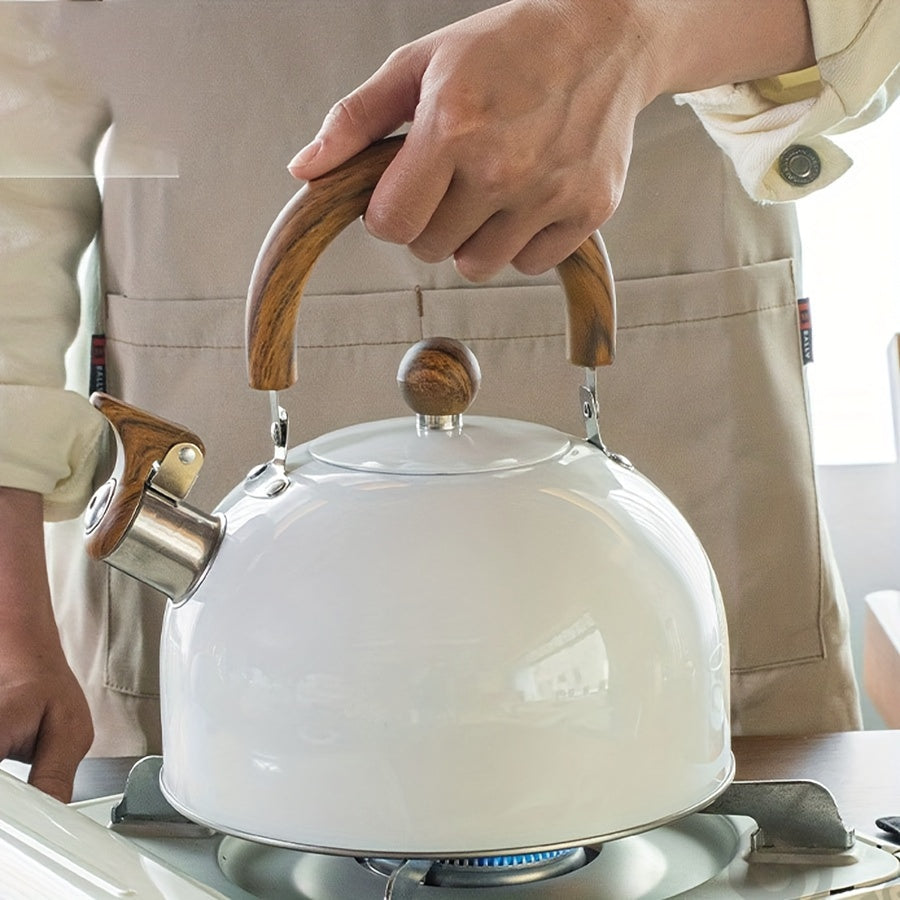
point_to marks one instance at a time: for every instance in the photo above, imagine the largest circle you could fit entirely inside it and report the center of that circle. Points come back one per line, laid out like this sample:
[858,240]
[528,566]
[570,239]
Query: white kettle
[435,636]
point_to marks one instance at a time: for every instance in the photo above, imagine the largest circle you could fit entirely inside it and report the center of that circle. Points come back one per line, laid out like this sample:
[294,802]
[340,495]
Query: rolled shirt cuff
[756,132]
[50,443]
[854,81]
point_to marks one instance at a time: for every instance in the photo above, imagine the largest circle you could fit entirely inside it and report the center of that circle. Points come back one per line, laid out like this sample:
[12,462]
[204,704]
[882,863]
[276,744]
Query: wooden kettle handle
[145,444]
[320,210]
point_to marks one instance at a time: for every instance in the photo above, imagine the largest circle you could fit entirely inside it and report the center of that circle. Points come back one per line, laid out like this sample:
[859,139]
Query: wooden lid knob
[439,377]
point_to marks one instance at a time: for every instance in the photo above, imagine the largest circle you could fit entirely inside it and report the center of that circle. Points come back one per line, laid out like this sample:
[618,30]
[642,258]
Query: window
[851,273]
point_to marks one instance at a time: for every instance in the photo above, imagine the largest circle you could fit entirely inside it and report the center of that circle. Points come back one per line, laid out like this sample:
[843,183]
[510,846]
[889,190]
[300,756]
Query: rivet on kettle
[276,486]
[98,505]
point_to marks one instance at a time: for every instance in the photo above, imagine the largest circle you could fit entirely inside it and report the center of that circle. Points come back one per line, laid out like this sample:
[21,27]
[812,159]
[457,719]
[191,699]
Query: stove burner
[757,841]
[488,871]
[519,859]
[700,856]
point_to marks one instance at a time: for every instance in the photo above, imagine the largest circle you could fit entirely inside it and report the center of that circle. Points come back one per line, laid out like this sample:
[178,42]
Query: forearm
[693,44]
[24,594]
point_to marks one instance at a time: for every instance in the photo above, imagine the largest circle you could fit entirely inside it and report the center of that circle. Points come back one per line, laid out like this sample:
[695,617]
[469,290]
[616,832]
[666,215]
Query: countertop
[861,769]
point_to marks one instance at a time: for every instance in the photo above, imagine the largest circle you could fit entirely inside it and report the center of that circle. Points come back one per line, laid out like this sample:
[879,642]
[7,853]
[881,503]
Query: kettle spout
[137,521]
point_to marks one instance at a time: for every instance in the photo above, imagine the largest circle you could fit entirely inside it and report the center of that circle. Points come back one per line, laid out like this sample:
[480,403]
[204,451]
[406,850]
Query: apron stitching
[129,692]
[514,337]
[420,311]
[399,343]
[508,337]
[149,346]
[107,675]
[734,315]
[781,664]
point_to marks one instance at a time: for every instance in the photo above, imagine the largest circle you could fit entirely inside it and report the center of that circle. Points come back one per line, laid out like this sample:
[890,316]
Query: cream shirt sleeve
[49,212]
[857,44]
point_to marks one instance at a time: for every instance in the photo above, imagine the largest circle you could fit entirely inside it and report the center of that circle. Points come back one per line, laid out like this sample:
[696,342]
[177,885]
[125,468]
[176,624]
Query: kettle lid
[406,446]
[439,378]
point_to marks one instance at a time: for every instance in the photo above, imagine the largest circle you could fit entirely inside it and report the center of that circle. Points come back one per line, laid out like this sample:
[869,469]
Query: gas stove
[779,839]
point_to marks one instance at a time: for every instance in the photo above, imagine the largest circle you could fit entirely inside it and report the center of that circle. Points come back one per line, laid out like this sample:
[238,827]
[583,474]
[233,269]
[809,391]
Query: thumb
[375,109]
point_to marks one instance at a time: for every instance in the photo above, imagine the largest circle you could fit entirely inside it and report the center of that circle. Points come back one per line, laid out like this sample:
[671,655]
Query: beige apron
[706,397]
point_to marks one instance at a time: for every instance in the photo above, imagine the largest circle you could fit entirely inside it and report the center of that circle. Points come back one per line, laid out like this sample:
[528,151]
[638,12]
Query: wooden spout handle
[320,210]
[145,445]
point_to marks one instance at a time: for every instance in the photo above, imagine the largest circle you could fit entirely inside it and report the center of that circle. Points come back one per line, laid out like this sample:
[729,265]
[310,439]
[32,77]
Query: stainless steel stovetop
[759,841]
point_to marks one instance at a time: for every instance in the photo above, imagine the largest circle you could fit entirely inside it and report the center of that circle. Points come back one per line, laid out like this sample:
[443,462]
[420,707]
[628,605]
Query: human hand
[522,120]
[523,115]
[44,717]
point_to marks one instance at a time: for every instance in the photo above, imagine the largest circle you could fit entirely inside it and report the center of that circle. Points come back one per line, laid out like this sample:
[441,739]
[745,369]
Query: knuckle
[500,175]
[76,723]
[455,127]
[348,110]
[55,776]
[84,738]
[601,206]
[390,223]
[402,57]
[586,210]
[601,211]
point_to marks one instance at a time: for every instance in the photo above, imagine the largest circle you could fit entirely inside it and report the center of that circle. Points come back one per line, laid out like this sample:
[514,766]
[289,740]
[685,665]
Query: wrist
[696,44]
[624,36]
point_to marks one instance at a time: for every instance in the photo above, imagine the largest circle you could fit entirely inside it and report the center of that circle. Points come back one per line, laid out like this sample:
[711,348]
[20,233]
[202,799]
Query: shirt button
[799,164]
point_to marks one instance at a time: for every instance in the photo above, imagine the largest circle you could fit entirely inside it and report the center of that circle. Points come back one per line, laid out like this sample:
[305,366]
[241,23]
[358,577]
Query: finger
[376,108]
[410,190]
[54,779]
[56,759]
[496,243]
[549,247]
[459,214]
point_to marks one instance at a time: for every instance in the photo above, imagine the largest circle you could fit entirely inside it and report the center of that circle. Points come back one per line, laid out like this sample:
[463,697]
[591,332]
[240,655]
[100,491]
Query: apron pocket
[706,397]
[184,360]
[133,626]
